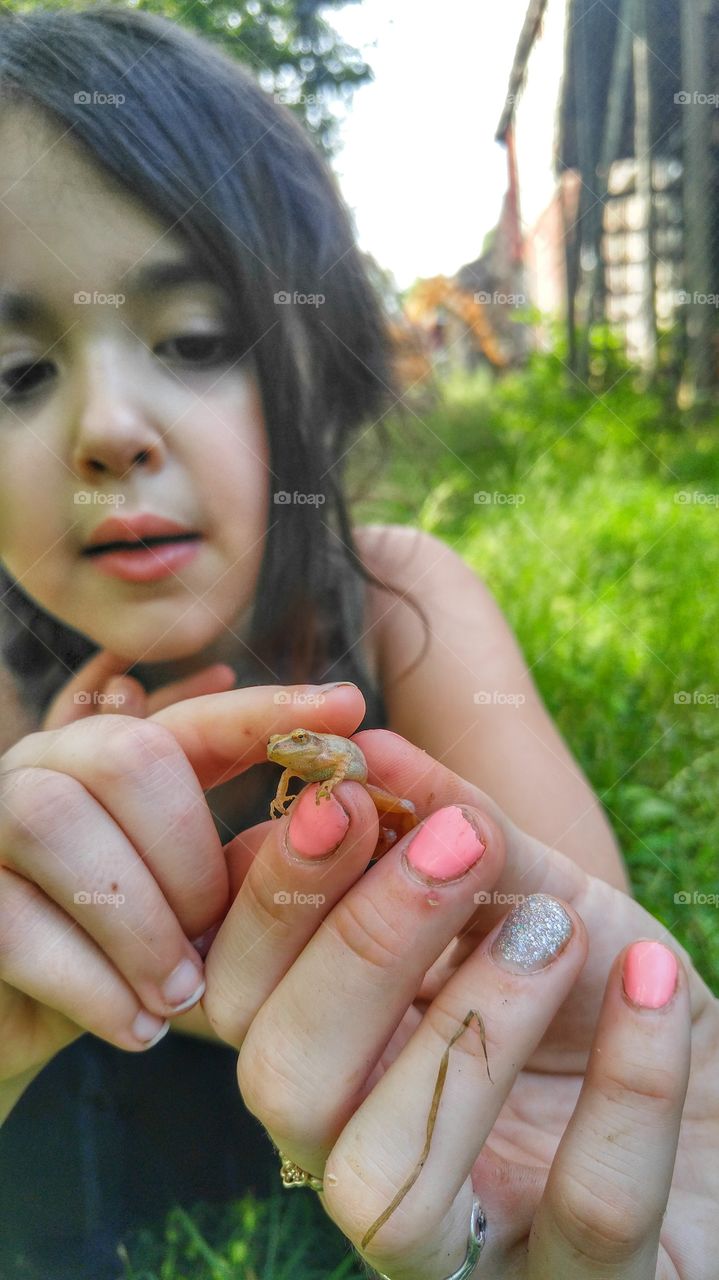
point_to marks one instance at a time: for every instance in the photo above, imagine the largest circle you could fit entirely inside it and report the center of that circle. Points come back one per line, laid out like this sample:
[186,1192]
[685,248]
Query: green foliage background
[288,45]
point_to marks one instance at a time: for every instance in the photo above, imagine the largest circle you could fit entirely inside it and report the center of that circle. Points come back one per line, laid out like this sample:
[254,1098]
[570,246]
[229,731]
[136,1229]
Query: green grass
[610,586]
[287,1237]
[609,582]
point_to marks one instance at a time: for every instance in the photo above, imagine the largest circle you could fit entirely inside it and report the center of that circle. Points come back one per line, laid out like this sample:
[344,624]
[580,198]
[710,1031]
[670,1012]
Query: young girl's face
[128,403]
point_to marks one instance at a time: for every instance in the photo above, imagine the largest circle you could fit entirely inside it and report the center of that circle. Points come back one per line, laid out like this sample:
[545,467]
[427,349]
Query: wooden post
[613,122]
[643,185]
[696,135]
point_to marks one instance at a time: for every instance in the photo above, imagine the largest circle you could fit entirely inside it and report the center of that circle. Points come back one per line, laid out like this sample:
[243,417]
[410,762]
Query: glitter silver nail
[532,935]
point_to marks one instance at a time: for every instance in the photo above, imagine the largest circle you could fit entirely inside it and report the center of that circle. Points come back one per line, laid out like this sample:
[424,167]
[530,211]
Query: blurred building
[616,217]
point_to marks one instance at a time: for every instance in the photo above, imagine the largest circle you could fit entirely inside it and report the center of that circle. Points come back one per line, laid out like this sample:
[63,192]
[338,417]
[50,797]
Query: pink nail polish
[649,974]
[445,847]
[316,830]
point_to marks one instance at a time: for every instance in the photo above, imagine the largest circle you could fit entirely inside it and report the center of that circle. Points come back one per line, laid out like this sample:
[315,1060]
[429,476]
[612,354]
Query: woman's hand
[99,688]
[110,862]
[343,991]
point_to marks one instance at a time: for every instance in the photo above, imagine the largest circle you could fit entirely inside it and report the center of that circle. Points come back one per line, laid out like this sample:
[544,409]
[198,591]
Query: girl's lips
[147,564]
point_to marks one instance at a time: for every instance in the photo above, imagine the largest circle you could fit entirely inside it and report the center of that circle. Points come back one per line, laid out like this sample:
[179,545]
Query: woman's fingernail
[184,986]
[649,974]
[533,934]
[149,1029]
[445,847]
[342,684]
[316,830]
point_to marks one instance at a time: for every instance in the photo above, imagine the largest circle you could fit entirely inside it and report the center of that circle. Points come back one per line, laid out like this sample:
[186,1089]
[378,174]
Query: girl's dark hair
[201,145]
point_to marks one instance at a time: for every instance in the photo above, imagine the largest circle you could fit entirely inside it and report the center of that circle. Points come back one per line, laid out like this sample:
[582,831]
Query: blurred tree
[287,44]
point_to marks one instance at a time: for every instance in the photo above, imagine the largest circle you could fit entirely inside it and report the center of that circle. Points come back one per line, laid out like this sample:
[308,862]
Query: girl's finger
[78,698]
[602,1208]
[46,956]
[481,1029]
[123,695]
[213,679]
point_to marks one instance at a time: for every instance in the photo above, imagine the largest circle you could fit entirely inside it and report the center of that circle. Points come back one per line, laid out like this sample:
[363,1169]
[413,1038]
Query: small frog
[329,759]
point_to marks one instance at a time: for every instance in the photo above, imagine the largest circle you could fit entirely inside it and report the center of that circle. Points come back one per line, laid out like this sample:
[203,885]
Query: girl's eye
[22,379]
[203,349]
[200,348]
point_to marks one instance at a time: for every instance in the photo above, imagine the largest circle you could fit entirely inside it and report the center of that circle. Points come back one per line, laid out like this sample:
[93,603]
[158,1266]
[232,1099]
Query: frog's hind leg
[386,803]
[281,802]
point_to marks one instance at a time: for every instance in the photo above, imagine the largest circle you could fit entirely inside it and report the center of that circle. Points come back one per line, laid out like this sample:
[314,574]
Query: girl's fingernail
[445,847]
[149,1029]
[316,830]
[533,935]
[649,974]
[342,684]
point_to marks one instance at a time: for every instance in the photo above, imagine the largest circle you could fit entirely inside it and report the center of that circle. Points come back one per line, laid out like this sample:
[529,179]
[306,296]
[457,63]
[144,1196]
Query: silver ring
[475,1244]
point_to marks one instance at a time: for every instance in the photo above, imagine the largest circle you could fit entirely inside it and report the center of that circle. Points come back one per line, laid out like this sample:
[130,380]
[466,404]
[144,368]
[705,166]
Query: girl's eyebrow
[154,277]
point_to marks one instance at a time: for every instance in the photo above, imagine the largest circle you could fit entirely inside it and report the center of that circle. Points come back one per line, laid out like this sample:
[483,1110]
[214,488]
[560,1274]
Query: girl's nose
[114,430]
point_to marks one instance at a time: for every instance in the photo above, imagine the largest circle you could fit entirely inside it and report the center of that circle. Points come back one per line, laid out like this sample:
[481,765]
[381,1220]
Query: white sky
[418,163]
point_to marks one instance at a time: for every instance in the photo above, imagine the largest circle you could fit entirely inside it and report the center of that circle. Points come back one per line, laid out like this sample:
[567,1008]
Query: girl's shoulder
[423,569]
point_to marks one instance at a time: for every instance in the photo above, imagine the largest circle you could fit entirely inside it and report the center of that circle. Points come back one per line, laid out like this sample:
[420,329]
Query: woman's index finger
[222,734]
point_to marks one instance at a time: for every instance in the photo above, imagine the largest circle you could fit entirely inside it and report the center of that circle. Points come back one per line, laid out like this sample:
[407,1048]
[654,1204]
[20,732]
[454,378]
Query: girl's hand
[96,688]
[590,1145]
[110,862]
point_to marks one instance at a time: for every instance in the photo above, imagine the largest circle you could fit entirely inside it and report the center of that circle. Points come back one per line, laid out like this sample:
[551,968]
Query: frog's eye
[300,735]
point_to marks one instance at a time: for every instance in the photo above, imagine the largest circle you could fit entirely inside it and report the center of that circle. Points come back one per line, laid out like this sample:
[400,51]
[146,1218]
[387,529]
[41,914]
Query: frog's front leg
[279,805]
[340,772]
